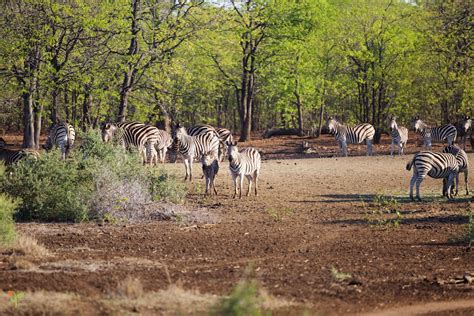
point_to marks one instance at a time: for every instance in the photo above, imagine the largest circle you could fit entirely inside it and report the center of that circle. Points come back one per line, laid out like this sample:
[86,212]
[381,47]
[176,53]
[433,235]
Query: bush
[97,180]
[7,225]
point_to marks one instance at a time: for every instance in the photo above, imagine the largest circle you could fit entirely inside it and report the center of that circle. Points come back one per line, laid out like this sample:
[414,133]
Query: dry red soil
[315,220]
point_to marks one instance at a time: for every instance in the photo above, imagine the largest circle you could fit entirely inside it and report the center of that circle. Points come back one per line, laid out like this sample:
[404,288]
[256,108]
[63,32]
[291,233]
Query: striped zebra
[129,135]
[210,168]
[463,163]
[464,129]
[157,145]
[61,135]
[434,134]
[10,156]
[399,136]
[435,165]
[225,136]
[351,134]
[245,162]
[194,146]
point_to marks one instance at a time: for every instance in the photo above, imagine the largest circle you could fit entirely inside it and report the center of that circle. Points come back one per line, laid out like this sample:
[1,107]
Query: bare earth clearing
[316,219]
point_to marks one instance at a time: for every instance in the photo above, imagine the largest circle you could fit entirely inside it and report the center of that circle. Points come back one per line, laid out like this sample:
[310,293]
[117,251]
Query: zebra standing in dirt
[194,146]
[225,136]
[463,164]
[157,145]
[434,134]
[63,136]
[464,129]
[245,162]
[210,168]
[399,136]
[351,134]
[436,165]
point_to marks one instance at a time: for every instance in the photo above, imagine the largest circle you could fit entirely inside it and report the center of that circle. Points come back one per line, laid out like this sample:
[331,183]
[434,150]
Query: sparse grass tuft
[386,213]
[30,247]
[279,213]
[130,288]
[338,275]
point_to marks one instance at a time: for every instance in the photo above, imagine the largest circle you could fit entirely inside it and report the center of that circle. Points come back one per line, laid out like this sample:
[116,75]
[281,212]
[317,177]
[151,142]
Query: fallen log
[282,132]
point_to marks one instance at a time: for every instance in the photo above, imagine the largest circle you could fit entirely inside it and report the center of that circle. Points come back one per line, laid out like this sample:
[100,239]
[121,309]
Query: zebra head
[108,131]
[393,122]
[332,124]
[232,150]
[417,124]
[466,123]
[208,158]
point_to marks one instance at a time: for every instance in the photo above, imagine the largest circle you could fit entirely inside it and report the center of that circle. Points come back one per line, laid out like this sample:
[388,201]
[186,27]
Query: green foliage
[96,181]
[7,225]
[386,212]
[244,300]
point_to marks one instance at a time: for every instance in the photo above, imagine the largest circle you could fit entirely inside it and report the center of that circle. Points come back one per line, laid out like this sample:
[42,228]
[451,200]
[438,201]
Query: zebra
[463,163]
[225,135]
[464,129]
[245,162]
[61,135]
[399,136]
[201,129]
[129,135]
[436,165]
[210,168]
[194,146]
[434,134]
[10,157]
[351,134]
[157,144]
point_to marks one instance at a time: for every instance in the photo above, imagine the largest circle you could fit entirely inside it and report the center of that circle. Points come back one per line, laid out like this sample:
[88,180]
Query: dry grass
[130,288]
[29,247]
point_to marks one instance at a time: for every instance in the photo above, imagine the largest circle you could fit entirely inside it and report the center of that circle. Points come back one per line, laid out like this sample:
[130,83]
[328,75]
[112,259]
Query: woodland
[248,65]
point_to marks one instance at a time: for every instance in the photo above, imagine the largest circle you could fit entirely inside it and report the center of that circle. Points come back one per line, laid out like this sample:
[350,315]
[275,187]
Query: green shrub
[244,300]
[97,180]
[7,225]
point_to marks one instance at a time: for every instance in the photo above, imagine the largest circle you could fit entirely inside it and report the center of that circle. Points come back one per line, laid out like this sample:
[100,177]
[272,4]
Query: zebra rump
[61,135]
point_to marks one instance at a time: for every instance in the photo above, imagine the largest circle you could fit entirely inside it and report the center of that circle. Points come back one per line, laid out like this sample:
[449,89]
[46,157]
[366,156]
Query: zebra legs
[369,147]
[343,147]
[234,179]
[249,177]
[188,165]
[465,181]
[416,179]
[391,149]
[255,178]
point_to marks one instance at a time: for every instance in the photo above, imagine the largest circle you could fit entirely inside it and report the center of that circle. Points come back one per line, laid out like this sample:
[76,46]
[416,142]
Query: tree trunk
[28,121]
[86,106]
[67,109]
[38,112]
[74,106]
[54,107]
[321,116]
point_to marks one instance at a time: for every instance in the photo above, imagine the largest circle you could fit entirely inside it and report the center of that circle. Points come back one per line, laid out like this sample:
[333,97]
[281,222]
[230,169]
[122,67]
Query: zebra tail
[410,164]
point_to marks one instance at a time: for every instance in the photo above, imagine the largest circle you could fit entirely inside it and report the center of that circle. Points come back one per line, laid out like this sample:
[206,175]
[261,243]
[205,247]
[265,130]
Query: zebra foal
[351,134]
[61,135]
[11,157]
[399,135]
[210,168]
[245,162]
[436,134]
[463,164]
[435,165]
[191,147]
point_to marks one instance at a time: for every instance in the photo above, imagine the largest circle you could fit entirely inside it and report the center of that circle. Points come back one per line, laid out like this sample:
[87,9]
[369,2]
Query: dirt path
[324,233]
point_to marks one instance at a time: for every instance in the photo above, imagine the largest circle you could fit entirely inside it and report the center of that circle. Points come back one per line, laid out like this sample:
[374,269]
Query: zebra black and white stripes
[434,134]
[225,136]
[435,165]
[210,168]
[463,164]
[351,134]
[129,135]
[194,146]
[399,135]
[61,135]
[245,162]
[11,156]
[157,144]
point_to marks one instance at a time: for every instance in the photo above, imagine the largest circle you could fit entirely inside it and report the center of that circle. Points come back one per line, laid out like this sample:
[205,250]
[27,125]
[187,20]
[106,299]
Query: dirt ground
[333,236]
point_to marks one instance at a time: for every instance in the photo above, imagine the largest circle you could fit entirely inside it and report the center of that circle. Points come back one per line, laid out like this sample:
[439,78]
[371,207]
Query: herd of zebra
[210,145]
[446,165]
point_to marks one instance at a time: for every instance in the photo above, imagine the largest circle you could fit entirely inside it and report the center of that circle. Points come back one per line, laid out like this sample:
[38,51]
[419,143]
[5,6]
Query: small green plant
[383,214]
[279,213]
[244,300]
[7,225]
[338,275]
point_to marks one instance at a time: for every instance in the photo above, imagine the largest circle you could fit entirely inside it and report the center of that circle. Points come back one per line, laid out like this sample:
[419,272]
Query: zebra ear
[107,125]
